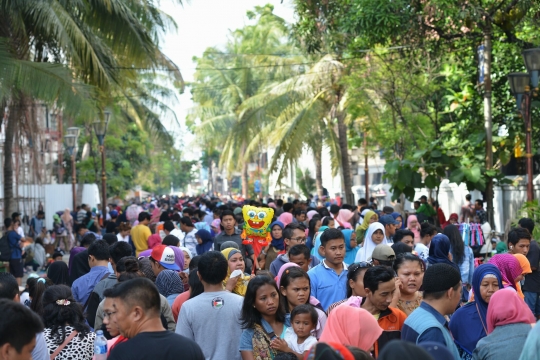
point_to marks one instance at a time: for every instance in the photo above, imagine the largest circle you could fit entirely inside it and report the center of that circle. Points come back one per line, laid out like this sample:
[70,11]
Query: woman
[339,327]
[311,213]
[452,220]
[412,224]
[351,246]
[369,218]
[124,231]
[439,251]
[204,241]
[65,327]
[344,217]
[509,267]
[262,318]
[397,216]
[187,258]
[462,255]
[215,226]
[286,218]
[531,349]
[404,351]
[525,269]
[410,270]
[314,225]
[469,323]
[276,246]
[509,321]
[235,262]
[355,283]
[295,289]
[58,273]
[374,237]
[169,285]
[67,219]
[36,288]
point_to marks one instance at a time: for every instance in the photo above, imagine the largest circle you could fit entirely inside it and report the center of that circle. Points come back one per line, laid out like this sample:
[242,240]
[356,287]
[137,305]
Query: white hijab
[367,249]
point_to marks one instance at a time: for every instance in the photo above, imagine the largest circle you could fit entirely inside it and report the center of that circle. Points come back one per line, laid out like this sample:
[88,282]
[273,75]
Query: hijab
[439,249]
[509,267]
[364,254]
[365,223]
[311,213]
[452,216]
[329,351]
[58,273]
[501,248]
[154,240]
[505,307]
[350,254]
[241,284]
[315,250]
[338,327]
[207,241]
[286,218]
[416,231]
[343,218]
[469,324]
[396,215]
[403,350]
[277,243]
[169,283]
[66,217]
[179,256]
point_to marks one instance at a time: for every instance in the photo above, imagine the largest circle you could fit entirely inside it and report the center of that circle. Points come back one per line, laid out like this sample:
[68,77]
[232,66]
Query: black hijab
[403,350]
[80,266]
[58,273]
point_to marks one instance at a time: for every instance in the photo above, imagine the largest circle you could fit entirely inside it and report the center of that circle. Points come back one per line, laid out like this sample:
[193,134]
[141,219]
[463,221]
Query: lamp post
[100,128]
[519,85]
[70,141]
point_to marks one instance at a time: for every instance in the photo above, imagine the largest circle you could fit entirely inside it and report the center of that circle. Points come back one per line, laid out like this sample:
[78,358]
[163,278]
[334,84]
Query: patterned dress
[79,348]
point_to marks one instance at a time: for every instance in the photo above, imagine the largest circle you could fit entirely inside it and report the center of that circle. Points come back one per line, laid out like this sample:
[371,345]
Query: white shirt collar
[345,267]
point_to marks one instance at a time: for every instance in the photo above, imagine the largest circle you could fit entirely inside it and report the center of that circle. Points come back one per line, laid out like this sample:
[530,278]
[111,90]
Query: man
[405,236]
[329,278]
[389,224]
[14,241]
[388,210]
[213,314]
[519,241]
[531,287]
[37,224]
[288,207]
[480,212]
[442,294]
[135,311]
[383,255]
[81,214]
[299,216]
[141,232]
[163,258]
[186,225]
[16,217]
[362,204]
[14,326]
[380,287]
[231,233]
[425,208]
[117,251]
[170,229]
[98,259]
[466,209]
[298,254]
[293,234]
[279,204]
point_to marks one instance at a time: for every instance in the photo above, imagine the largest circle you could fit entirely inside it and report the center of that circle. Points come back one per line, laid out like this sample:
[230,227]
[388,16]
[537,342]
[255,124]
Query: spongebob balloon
[256,225]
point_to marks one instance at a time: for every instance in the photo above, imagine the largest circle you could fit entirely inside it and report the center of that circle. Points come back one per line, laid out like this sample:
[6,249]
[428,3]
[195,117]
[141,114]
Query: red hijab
[506,307]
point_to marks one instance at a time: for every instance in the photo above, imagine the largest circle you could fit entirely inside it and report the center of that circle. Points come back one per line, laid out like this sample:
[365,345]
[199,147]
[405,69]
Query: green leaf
[409,192]
[404,176]
[456,176]
[436,154]
[431,181]
[416,180]
[474,174]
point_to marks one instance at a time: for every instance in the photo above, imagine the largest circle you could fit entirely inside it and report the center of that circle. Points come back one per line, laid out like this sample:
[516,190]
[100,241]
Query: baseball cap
[164,255]
[387,220]
[383,252]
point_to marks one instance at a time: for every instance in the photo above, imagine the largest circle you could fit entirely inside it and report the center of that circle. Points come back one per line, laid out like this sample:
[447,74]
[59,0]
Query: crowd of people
[335,282]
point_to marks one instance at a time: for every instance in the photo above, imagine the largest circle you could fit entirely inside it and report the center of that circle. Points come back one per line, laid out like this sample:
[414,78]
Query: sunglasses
[360,265]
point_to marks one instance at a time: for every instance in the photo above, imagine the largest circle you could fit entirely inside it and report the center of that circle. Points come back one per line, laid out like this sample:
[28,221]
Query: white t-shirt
[179,234]
[292,341]
[422,250]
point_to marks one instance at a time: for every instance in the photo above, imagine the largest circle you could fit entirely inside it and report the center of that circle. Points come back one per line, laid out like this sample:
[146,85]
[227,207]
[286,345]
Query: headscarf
[403,350]
[58,273]
[329,351]
[338,327]
[505,307]
[452,216]
[311,213]
[416,231]
[66,217]
[395,215]
[286,218]
[207,241]
[531,348]
[364,254]
[146,268]
[469,324]
[350,254]
[241,284]
[277,243]
[168,283]
[343,218]
[315,250]
[509,267]
[178,256]
[154,240]
[501,248]
[524,264]
[439,249]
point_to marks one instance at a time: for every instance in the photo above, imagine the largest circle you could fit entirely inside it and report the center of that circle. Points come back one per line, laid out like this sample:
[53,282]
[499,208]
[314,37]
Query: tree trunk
[245,184]
[15,112]
[345,163]
[210,177]
[317,157]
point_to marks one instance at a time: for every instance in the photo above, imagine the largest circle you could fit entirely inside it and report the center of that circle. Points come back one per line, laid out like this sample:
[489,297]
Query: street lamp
[70,141]
[519,85]
[100,128]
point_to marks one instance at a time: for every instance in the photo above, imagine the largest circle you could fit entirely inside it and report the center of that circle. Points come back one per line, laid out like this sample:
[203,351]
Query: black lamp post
[70,141]
[100,128]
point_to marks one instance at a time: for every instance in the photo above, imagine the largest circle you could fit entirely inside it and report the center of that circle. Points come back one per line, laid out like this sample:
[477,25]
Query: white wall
[59,197]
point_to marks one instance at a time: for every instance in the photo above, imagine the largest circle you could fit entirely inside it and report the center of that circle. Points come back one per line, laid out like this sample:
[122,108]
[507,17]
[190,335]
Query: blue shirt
[246,340]
[433,334]
[83,286]
[13,240]
[326,285]
[40,352]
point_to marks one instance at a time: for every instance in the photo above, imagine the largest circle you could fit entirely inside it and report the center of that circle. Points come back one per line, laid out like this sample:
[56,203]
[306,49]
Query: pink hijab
[506,307]
[286,218]
[311,213]
[338,327]
[415,231]
[312,300]
[343,218]
[153,240]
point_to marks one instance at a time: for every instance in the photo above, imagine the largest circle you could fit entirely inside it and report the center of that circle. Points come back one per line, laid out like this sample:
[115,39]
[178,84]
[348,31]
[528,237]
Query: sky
[201,24]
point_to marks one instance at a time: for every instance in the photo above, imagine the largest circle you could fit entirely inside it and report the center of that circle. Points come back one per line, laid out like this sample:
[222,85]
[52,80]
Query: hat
[387,220]
[237,211]
[113,213]
[383,252]
[165,257]
[440,277]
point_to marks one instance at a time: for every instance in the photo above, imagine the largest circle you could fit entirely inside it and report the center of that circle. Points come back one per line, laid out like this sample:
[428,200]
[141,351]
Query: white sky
[201,24]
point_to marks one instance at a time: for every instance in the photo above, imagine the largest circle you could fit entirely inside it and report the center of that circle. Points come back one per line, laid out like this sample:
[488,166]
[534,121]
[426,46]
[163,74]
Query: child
[298,339]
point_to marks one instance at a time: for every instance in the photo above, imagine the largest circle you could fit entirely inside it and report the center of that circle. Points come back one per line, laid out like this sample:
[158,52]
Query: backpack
[5,249]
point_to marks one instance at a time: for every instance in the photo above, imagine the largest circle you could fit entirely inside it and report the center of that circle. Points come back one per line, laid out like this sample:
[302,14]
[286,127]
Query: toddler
[298,338]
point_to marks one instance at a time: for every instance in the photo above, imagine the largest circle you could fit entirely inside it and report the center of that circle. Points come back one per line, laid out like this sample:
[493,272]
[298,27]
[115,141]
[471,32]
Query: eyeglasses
[299,239]
[108,314]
